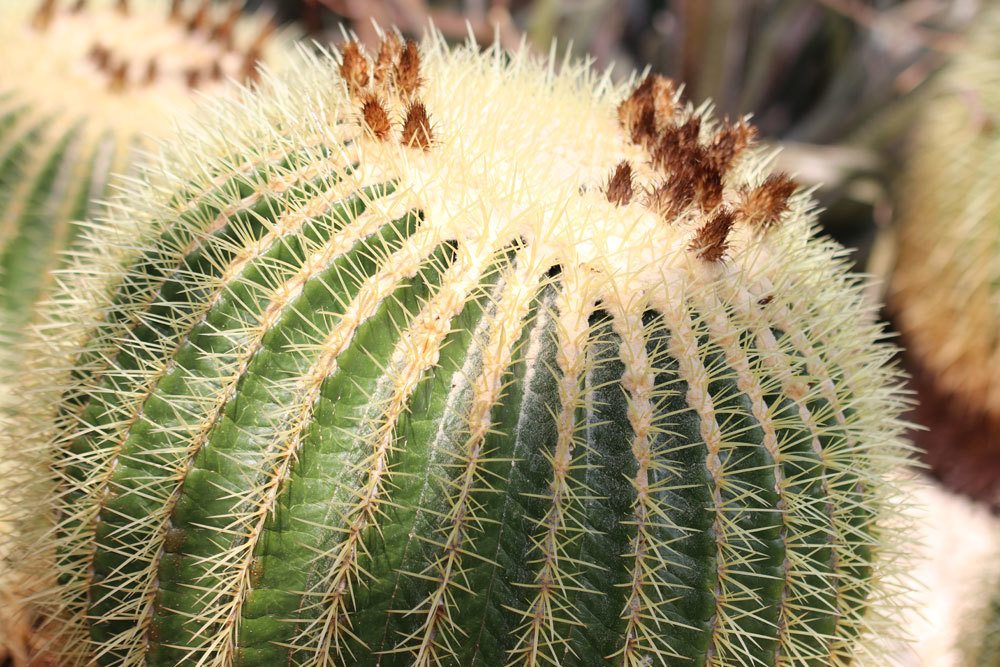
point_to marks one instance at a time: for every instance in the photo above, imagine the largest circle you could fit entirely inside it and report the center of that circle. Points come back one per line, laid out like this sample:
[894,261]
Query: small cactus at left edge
[440,357]
[84,83]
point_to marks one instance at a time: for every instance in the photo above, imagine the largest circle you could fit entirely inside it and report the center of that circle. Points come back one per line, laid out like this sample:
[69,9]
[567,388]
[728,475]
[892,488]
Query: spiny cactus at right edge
[442,357]
[945,294]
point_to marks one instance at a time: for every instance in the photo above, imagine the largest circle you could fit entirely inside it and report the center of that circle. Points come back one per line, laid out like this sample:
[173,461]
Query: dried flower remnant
[388,52]
[119,77]
[620,186]
[407,75]
[728,143]
[669,199]
[376,118]
[677,145]
[200,16]
[354,69]
[763,206]
[712,240]
[222,33]
[417,127]
[648,109]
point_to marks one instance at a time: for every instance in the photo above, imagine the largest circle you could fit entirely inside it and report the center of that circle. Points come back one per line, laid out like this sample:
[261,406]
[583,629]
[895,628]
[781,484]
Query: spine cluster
[532,383]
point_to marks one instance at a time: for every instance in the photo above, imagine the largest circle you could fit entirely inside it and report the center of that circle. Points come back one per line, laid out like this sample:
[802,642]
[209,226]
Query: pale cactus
[945,295]
[438,356]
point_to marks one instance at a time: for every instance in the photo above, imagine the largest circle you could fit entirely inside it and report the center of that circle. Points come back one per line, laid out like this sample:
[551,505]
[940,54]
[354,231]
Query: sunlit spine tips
[620,188]
[376,118]
[417,131]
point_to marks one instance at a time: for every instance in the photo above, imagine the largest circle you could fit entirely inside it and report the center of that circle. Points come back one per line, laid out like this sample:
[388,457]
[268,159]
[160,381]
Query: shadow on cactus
[441,357]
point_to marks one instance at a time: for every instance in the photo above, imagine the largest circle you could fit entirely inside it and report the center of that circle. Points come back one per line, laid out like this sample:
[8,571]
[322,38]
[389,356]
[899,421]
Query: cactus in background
[440,357]
[84,84]
[945,293]
[85,81]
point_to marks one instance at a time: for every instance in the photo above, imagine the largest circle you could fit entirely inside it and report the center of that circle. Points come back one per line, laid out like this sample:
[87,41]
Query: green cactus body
[85,84]
[381,368]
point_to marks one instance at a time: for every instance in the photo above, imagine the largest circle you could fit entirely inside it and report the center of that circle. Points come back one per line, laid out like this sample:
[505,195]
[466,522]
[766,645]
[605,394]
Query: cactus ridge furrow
[726,333]
[463,514]
[269,340]
[638,383]
[397,267]
[416,388]
[556,575]
[12,168]
[42,227]
[514,415]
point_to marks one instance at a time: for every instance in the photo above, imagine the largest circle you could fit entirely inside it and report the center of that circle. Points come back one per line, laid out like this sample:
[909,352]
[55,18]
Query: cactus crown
[443,357]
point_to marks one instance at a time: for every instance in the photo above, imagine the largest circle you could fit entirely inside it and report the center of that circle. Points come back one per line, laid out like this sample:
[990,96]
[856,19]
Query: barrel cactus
[85,81]
[435,356]
[945,293]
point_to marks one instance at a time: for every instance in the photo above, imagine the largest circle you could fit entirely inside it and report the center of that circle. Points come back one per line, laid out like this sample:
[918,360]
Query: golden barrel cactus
[443,357]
